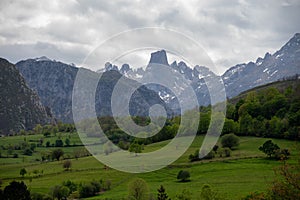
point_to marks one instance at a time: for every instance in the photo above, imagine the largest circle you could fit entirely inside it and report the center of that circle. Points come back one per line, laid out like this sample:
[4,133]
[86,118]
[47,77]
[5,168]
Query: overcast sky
[231,31]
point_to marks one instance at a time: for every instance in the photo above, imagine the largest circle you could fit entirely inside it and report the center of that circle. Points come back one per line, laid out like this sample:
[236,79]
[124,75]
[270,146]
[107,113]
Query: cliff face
[20,107]
[54,83]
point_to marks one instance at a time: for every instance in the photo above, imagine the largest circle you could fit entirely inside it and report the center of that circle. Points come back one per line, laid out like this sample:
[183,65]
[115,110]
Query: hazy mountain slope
[54,83]
[285,62]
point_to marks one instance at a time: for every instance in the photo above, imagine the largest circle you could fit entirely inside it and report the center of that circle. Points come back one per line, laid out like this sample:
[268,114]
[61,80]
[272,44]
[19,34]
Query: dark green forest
[271,111]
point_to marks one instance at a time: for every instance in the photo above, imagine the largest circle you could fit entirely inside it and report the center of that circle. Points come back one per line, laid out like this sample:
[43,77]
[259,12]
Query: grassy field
[246,171]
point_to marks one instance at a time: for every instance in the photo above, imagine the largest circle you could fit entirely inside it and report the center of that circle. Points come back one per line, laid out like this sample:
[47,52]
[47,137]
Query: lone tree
[136,148]
[183,176]
[16,190]
[162,195]
[230,141]
[269,148]
[138,190]
[67,164]
[23,172]
[57,153]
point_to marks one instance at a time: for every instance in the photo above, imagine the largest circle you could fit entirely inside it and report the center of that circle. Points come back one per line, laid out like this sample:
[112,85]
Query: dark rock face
[20,107]
[54,83]
[159,57]
[140,102]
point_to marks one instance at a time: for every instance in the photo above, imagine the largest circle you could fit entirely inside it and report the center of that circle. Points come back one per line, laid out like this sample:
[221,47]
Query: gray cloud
[231,32]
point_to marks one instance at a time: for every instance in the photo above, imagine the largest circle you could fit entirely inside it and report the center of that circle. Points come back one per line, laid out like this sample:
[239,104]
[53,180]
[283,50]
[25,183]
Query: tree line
[268,112]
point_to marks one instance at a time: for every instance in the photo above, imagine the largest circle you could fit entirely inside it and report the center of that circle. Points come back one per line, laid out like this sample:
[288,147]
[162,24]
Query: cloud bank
[231,32]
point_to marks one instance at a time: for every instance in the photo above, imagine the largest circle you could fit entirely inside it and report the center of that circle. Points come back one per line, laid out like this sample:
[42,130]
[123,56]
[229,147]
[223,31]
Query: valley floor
[246,171]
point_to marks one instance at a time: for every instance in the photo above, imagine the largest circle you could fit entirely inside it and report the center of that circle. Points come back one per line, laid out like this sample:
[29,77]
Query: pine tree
[162,195]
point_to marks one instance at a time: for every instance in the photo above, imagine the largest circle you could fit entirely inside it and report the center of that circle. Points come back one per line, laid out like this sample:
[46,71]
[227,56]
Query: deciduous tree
[138,190]
[230,141]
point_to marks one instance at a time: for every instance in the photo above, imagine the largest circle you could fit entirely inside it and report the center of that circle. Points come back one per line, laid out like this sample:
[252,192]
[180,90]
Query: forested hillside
[269,111]
[272,111]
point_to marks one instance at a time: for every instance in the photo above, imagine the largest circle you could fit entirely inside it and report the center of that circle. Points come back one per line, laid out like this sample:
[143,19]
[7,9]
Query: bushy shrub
[59,143]
[282,154]
[184,195]
[16,190]
[27,152]
[215,148]
[90,189]
[183,176]
[194,157]
[67,164]
[274,151]
[227,152]
[71,185]
[48,144]
[86,190]
[210,155]
[60,192]
[203,155]
[207,193]
[230,141]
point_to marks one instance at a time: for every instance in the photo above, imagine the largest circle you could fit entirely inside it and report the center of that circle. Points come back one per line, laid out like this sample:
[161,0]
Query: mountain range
[241,77]
[53,82]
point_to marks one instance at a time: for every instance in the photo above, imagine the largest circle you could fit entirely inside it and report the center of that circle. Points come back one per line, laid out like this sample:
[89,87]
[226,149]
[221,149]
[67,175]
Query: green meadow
[247,169]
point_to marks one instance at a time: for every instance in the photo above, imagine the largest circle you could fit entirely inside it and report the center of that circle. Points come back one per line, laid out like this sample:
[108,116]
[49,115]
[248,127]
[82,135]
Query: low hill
[281,85]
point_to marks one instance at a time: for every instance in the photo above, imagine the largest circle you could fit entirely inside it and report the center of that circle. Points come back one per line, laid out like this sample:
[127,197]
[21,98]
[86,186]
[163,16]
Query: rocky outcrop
[20,107]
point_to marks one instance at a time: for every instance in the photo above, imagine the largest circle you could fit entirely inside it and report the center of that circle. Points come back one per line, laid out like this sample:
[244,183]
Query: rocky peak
[109,67]
[291,46]
[159,57]
[267,56]
[42,58]
[294,41]
[259,61]
[182,66]
[174,64]
[125,68]
[283,63]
